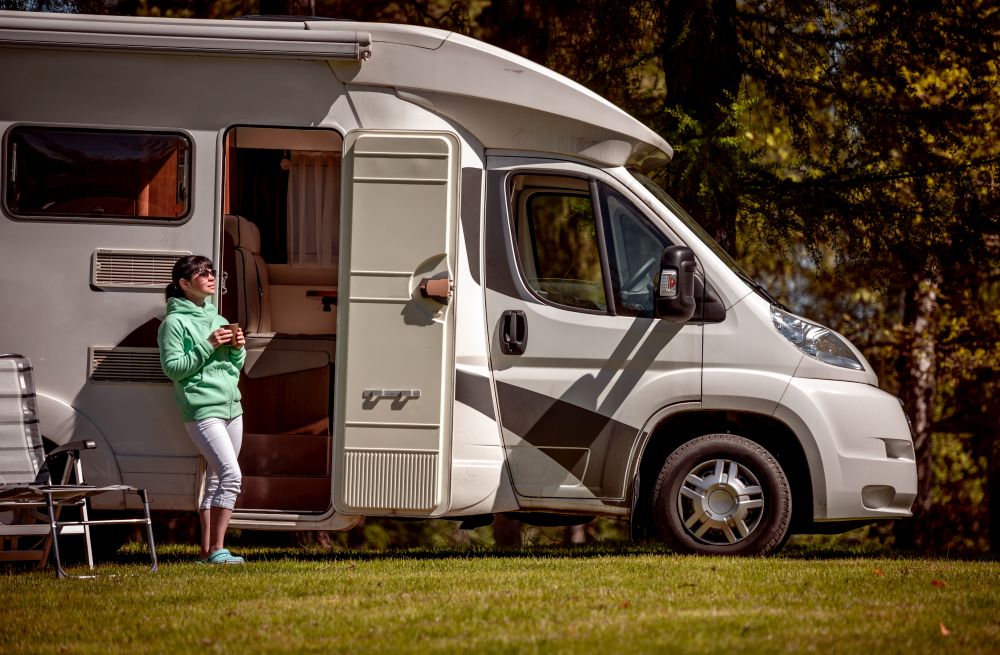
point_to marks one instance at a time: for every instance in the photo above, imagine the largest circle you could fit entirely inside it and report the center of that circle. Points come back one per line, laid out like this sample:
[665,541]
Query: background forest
[846,152]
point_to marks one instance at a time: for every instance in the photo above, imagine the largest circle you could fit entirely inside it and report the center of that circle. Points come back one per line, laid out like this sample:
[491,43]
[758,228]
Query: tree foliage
[846,150]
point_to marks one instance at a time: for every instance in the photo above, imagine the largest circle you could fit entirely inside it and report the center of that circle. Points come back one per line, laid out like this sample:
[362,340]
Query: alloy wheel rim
[720,502]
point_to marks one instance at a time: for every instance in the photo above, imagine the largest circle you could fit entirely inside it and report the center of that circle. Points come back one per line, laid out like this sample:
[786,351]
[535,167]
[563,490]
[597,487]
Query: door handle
[513,332]
[436,288]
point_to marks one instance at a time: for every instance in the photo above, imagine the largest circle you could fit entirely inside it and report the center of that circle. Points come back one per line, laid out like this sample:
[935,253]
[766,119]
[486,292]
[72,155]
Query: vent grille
[137,271]
[126,365]
[391,479]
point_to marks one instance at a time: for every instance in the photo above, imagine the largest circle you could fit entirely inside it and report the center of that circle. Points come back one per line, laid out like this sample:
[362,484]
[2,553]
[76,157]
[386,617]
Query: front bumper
[858,445]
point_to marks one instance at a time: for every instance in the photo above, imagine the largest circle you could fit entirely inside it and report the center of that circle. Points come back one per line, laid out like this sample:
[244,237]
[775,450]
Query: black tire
[722,494]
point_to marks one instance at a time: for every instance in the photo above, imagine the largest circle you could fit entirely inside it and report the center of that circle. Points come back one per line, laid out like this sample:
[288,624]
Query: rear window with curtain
[97,174]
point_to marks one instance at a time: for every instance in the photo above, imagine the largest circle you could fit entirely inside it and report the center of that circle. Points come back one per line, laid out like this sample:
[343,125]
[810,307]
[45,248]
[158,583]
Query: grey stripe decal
[472,183]
[544,422]
[547,421]
[474,391]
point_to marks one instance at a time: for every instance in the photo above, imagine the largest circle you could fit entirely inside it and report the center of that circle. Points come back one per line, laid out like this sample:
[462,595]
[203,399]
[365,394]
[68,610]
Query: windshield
[689,222]
[705,237]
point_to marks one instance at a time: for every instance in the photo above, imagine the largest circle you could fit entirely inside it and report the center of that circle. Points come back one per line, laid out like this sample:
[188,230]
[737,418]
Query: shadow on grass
[286,547]
[183,554]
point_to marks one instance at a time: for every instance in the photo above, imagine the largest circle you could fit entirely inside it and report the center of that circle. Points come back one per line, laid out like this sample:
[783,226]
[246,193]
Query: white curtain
[313,209]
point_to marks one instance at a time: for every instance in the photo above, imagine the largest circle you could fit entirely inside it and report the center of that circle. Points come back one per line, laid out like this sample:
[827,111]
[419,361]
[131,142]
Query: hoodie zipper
[232,394]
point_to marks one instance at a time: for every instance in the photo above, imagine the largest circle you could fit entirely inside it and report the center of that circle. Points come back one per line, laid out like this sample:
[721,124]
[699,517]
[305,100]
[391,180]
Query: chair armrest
[73,447]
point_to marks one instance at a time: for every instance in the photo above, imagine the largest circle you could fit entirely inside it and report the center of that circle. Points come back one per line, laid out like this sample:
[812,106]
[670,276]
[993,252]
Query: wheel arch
[60,423]
[673,428]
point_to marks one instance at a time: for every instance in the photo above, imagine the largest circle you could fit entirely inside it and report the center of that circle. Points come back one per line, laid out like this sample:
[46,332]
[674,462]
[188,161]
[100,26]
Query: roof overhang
[505,101]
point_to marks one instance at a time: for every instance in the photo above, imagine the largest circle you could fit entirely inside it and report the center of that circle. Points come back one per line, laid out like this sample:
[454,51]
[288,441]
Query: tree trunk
[575,535]
[919,390]
[506,532]
[993,493]
[700,55]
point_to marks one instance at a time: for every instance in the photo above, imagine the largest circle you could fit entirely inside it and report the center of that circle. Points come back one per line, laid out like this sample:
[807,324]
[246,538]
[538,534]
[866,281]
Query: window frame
[604,191]
[6,171]
[518,201]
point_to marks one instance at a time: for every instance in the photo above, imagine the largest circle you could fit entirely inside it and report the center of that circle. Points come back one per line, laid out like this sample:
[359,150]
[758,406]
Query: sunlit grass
[606,599]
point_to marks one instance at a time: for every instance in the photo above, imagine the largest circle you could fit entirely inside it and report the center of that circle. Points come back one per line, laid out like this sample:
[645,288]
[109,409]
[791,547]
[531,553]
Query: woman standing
[203,357]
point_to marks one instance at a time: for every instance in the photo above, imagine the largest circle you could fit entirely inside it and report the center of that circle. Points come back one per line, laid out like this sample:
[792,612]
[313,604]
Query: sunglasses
[205,272]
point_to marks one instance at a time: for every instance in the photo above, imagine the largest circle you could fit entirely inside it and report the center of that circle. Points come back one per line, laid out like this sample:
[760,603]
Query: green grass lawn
[605,599]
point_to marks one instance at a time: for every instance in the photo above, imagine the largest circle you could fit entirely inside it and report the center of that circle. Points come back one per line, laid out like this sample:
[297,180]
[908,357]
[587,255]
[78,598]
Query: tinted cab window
[558,248]
[575,248]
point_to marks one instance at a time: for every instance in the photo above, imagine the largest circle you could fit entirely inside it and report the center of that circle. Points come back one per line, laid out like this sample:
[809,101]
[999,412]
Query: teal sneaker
[223,556]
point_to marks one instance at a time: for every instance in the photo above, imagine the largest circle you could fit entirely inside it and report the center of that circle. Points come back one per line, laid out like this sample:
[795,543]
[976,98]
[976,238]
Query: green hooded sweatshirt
[205,378]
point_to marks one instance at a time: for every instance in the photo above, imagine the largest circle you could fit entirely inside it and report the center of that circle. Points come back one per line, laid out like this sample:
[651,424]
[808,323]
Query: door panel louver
[126,365]
[133,270]
[390,480]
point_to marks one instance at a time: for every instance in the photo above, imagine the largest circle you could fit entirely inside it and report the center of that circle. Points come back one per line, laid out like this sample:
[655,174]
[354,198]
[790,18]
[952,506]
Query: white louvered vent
[126,365]
[390,479]
[133,270]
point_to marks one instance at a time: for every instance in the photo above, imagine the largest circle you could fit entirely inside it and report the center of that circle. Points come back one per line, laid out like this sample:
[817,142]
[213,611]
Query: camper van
[462,295]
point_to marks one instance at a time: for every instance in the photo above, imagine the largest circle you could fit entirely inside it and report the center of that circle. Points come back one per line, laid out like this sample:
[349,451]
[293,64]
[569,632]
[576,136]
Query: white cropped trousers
[219,442]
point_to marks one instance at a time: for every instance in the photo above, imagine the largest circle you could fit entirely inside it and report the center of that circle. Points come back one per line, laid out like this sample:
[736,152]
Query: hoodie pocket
[193,381]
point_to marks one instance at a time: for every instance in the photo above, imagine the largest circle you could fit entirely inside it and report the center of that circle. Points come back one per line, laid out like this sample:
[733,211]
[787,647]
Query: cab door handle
[513,332]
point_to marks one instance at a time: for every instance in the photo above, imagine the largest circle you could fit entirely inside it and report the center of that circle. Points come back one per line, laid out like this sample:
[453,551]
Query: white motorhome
[462,295]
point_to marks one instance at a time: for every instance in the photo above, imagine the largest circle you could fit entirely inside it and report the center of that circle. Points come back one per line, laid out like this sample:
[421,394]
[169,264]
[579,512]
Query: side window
[97,174]
[634,255]
[556,233]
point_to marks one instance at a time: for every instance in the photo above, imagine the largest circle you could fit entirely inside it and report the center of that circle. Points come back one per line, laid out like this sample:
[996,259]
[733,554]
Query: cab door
[395,333]
[580,361]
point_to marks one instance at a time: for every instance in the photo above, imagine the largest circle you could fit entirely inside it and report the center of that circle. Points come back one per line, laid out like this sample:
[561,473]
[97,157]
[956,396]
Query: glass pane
[636,250]
[559,250]
[97,174]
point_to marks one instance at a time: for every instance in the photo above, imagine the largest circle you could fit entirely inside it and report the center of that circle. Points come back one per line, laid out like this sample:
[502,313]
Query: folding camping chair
[31,502]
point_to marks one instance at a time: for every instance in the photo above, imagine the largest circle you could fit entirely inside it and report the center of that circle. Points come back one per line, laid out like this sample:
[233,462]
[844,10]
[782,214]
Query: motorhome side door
[395,324]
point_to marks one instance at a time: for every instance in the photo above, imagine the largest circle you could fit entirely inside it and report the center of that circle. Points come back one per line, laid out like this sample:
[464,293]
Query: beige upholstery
[251,283]
[268,353]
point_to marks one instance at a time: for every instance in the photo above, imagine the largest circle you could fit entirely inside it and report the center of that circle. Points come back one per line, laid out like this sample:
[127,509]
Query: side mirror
[675,297]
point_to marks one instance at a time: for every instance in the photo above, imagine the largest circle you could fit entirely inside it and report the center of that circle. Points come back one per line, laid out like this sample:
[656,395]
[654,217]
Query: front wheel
[721,494]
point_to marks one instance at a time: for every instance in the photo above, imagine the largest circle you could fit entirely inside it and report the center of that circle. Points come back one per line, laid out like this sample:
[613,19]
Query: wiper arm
[761,289]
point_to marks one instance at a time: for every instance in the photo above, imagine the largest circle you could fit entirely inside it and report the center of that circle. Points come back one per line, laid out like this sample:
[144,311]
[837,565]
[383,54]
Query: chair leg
[149,531]
[87,547]
[48,542]
[54,528]
[77,463]
[55,535]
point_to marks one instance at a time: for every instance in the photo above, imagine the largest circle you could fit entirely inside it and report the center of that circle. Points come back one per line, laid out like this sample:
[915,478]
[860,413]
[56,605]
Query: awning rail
[229,38]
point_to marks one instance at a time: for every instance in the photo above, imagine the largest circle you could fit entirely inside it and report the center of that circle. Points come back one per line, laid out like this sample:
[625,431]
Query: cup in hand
[232,327]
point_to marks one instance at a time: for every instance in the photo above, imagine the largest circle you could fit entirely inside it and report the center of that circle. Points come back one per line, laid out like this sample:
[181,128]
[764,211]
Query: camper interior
[280,252]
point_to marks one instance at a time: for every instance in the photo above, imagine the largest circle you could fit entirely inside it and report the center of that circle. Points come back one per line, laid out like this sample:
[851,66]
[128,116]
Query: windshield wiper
[760,289]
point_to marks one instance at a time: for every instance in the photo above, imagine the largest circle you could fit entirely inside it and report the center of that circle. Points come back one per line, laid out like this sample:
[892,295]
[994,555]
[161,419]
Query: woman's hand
[221,337]
[240,339]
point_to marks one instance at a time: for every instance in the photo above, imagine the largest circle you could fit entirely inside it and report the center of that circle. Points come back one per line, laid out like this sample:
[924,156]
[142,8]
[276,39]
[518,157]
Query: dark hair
[184,269]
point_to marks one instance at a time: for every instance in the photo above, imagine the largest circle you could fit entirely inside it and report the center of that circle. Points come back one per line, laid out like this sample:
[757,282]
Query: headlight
[814,340]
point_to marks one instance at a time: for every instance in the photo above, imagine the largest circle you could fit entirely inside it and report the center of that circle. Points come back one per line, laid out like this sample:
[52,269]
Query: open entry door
[395,333]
